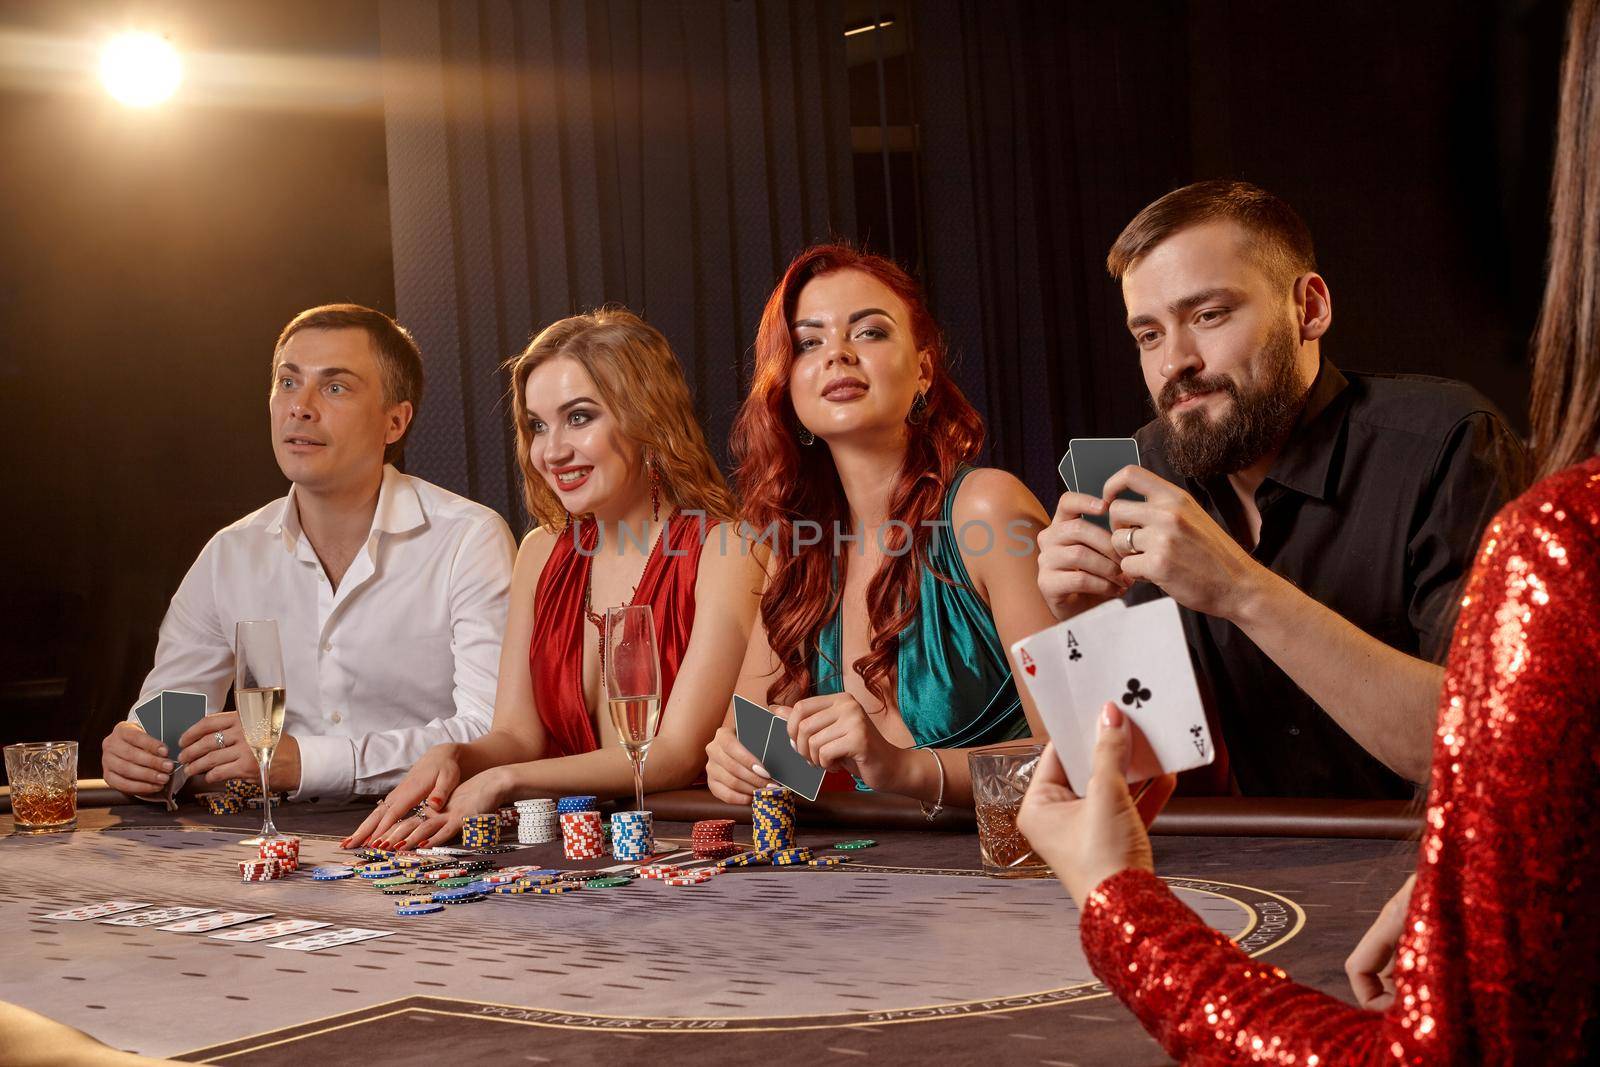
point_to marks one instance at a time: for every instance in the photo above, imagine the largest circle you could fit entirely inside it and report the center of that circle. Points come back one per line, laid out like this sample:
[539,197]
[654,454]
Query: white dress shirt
[401,657]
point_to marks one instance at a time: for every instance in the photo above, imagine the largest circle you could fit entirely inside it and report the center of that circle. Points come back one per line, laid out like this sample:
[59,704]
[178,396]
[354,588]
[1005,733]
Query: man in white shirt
[389,592]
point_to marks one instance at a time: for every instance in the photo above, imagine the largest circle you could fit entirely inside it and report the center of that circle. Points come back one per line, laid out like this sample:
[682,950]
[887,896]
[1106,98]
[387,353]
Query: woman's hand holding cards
[834,732]
[732,773]
[1086,840]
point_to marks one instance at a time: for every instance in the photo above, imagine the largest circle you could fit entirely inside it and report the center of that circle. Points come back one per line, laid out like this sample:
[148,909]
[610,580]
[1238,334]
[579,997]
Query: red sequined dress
[1500,958]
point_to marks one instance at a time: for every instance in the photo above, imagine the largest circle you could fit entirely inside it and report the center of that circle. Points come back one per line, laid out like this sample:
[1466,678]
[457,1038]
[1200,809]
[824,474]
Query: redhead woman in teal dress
[900,573]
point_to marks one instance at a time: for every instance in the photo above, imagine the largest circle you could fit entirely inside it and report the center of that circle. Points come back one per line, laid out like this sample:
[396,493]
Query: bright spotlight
[140,69]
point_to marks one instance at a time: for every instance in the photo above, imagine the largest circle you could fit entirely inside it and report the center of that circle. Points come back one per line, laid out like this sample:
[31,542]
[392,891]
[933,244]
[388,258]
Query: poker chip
[476,865]
[457,895]
[632,835]
[611,882]
[659,870]
[852,845]
[567,805]
[480,831]
[408,861]
[692,878]
[373,854]
[399,879]
[379,872]
[580,836]
[281,848]
[332,874]
[259,870]
[223,804]
[456,882]
[554,889]
[439,874]
[419,909]
[772,818]
[495,850]
[408,886]
[747,859]
[789,856]
[827,861]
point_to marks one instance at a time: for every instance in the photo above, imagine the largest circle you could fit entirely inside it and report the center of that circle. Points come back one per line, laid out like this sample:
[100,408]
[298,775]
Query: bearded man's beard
[1255,424]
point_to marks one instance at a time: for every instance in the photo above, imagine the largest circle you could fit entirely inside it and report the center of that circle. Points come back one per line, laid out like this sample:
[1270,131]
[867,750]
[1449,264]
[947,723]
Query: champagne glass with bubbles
[633,684]
[259,692]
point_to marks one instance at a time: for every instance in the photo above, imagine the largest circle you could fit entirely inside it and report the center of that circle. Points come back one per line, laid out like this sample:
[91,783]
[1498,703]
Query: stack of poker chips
[665,872]
[712,839]
[789,857]
[263,870]
[632,835]
[237,794]
[581,838]
[480,831]
[772,818]
[536,821]
[568,804]
[284,848]
[508,819]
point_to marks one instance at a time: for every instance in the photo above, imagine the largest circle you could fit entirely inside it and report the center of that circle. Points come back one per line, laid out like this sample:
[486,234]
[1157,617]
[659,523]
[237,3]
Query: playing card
[1095,460]
[753,724]
[204,924]
[330,939]
[156,916]
[1134,657]
[168,714]
[85,912]
[179,711]
[1067,475]
[275,928]
[767,738]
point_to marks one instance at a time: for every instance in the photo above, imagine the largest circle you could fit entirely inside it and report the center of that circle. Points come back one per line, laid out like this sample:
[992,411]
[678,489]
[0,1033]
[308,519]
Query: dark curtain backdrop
[1414,138]
[548,156]
[1030,118]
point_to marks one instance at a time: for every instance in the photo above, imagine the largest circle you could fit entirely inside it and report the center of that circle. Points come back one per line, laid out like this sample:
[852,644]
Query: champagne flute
[633,684]
[259,692]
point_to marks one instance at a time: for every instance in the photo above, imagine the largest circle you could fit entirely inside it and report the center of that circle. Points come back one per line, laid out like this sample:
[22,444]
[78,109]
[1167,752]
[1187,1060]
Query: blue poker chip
[418,909]
[331,874]
[480,887]
[457,895]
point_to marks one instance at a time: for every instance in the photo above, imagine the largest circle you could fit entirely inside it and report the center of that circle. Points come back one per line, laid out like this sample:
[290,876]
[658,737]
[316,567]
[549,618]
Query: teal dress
[953,681]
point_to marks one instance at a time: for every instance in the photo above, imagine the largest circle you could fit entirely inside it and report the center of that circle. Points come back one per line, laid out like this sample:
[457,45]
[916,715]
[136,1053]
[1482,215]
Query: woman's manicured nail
[762,771]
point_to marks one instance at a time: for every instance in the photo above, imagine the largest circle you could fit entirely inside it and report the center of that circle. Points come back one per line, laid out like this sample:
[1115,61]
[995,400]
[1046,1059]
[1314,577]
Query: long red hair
[782,482]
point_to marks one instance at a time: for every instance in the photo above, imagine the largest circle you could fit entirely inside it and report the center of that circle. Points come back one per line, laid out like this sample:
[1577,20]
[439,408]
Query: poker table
[906,951]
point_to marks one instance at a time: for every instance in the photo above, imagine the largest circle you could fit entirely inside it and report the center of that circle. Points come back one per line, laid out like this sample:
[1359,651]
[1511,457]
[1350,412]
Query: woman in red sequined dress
[1497,956]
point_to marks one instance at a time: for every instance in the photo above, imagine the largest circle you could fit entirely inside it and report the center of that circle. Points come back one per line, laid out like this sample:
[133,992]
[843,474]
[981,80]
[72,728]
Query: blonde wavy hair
[641,383]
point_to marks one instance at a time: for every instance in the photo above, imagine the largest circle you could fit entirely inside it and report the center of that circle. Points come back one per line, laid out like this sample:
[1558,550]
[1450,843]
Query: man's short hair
[397,352]
[1278,238]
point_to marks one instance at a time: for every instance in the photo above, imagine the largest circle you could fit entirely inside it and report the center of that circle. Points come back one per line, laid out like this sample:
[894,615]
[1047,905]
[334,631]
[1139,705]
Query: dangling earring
[807,438]
[919,409]
[655,489]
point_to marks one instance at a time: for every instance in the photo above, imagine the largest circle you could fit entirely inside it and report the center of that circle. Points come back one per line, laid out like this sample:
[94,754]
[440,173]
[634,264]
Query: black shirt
[1374,508]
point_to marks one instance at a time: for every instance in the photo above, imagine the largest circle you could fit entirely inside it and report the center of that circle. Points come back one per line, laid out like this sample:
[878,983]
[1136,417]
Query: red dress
[555,654]
[1500,958]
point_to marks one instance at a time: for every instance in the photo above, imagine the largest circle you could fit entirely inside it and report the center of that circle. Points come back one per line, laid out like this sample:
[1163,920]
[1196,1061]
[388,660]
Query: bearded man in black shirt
[1313,524]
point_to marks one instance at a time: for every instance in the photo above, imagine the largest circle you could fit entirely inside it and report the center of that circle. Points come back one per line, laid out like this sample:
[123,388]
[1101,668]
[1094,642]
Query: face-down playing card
[1094,461]
[767,738]
[1136,658]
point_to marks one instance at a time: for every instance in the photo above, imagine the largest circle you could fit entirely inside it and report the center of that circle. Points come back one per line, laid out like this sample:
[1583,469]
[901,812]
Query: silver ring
[421,811]
[222,742]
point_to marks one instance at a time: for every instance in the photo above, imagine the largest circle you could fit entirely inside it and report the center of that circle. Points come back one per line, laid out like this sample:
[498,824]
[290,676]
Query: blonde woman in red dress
[632,510]
[1493,954]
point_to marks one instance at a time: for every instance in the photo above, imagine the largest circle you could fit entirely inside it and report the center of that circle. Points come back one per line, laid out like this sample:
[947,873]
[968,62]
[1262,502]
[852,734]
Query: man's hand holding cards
[1134,657]
[1078,566]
